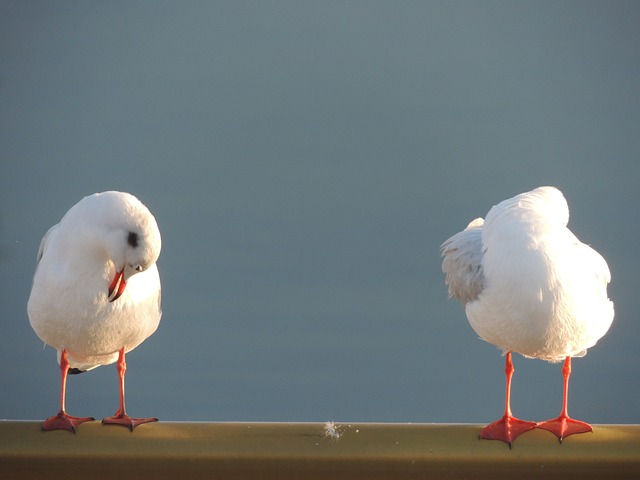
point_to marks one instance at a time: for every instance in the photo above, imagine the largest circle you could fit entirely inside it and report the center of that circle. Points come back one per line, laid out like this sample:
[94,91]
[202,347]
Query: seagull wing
[43,242]
[462,262]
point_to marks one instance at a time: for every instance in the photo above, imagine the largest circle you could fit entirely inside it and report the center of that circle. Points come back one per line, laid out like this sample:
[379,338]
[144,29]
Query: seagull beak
[116,288]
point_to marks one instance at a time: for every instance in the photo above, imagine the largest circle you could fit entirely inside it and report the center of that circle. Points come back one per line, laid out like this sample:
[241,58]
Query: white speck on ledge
[332,430]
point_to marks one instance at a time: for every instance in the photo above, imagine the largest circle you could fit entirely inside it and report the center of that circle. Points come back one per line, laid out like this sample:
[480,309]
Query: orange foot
[563,426]
[64,421]
[507,429]
[127,421]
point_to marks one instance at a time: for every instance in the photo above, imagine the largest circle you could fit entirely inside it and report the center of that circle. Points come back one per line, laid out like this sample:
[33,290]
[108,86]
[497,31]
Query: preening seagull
[530,286]
[96,291]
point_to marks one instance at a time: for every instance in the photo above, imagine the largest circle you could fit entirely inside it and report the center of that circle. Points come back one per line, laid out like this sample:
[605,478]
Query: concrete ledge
[172,450]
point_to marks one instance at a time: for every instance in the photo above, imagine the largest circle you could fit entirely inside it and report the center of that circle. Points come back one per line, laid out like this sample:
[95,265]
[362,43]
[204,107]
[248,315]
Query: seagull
[530,286]
[96,292]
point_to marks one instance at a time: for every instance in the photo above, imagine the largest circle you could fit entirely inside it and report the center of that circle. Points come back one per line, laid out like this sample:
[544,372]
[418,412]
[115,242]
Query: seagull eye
[132,239]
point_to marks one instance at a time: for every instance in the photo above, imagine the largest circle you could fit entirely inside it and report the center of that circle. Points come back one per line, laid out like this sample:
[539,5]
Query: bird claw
[507,429]
[127,421]
[563,426]
[64,421]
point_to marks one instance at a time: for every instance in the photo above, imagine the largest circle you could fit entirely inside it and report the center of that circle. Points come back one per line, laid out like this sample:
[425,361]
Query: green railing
[172,450]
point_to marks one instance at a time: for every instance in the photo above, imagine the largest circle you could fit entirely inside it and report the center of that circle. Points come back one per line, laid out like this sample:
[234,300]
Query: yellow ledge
[171,450]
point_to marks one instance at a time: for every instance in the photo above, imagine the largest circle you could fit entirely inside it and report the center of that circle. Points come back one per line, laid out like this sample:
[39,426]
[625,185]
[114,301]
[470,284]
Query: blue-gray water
[305,160]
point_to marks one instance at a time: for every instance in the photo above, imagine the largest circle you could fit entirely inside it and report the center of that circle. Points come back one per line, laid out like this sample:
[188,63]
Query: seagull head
[533,214]
[132,239]
[136,260]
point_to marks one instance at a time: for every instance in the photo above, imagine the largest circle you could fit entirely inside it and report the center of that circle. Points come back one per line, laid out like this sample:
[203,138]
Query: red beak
[116,288]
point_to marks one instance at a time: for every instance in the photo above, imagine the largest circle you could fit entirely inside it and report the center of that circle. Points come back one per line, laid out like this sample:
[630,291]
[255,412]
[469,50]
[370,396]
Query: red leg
[563,426]
[64,421]
[508,428]
[121,417]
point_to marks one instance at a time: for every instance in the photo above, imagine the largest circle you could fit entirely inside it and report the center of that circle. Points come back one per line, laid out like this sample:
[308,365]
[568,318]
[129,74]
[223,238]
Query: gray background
[305,160]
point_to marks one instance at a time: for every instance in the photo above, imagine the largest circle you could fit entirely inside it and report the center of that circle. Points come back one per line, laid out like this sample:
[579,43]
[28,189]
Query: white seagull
[530,286]
[96,291]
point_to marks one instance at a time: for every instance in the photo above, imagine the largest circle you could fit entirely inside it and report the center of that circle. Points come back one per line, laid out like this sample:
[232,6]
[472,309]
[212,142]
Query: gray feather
[462,262]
